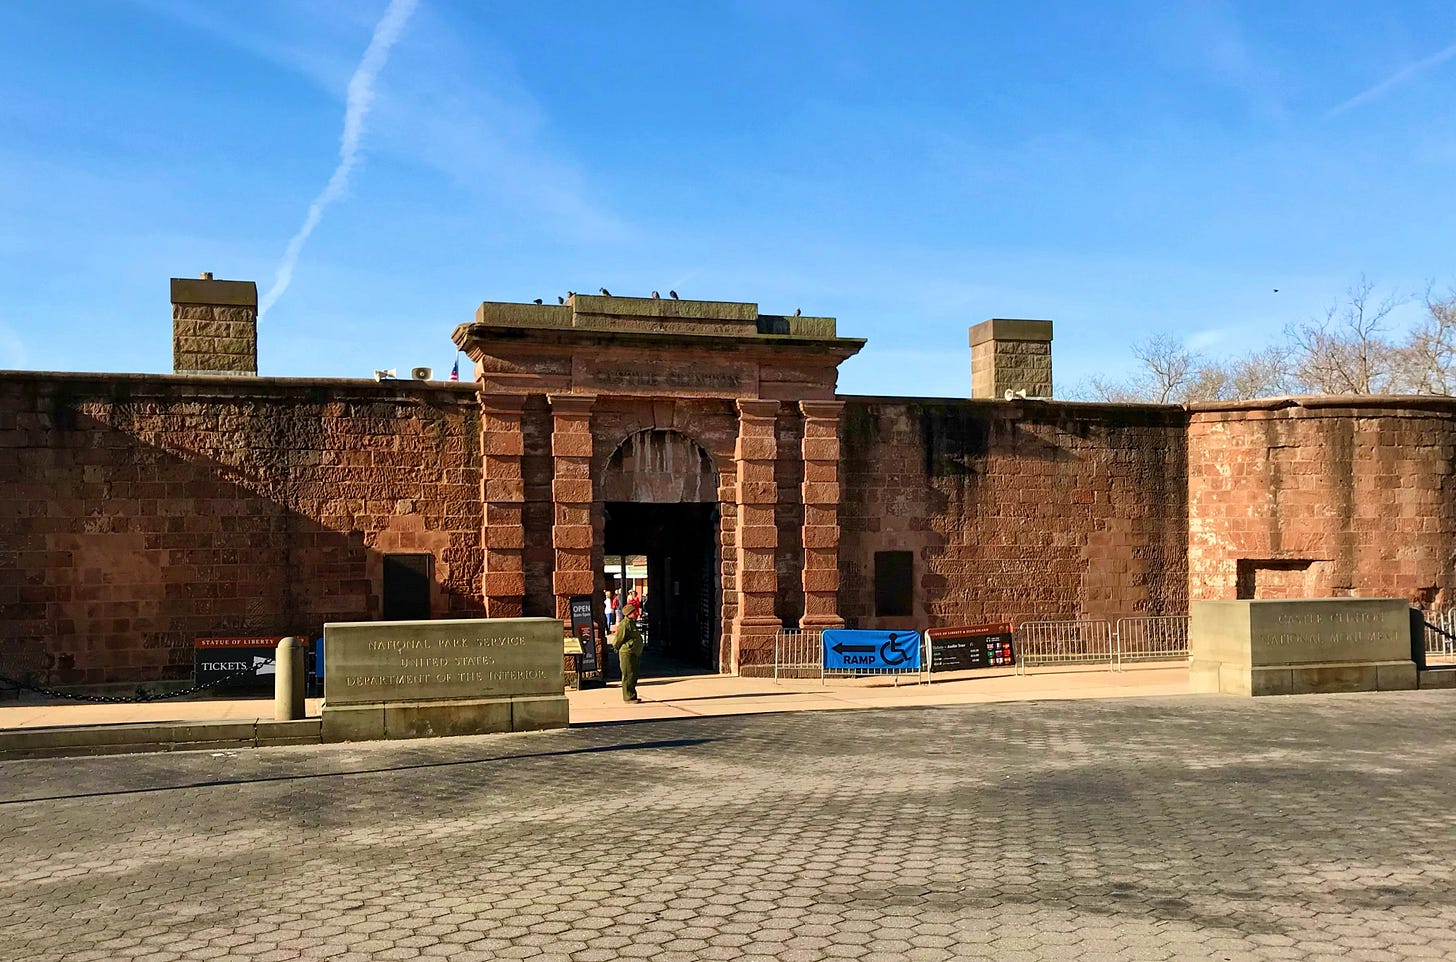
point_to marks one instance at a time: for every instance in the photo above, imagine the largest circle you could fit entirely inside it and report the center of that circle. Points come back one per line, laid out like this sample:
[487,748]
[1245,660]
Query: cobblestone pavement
[1300,828]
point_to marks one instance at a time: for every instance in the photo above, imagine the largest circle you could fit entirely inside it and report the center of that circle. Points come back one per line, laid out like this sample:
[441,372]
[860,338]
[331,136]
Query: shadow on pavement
[220,782]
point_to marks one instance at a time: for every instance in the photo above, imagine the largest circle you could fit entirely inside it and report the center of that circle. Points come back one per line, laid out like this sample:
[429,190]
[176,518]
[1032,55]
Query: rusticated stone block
[573,582]
[820,536]
[758,536]
[758,492]
[504,490]
[821,492]
[572,492]
[571,536]
[571,445]
[819,579]
[508,443]
[821,449]
[758,581]
[756,449]
[503,536]
[504,583]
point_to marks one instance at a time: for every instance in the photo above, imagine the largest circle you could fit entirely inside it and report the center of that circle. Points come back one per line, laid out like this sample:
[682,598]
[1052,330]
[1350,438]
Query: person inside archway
[628,642]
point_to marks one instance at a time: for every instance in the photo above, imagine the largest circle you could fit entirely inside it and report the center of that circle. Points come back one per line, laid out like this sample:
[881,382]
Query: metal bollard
[289,680]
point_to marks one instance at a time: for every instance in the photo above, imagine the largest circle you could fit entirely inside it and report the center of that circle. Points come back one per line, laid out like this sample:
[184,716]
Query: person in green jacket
[628,642]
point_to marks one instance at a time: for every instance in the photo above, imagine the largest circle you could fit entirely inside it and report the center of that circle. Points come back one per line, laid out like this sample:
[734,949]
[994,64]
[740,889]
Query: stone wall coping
[551,334]
[1292,404]
[1011,329]
[1027,405]
[190,290]
[241,385]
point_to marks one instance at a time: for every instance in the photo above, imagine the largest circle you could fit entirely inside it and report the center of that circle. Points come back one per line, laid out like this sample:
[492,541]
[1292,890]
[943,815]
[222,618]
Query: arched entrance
[660,499]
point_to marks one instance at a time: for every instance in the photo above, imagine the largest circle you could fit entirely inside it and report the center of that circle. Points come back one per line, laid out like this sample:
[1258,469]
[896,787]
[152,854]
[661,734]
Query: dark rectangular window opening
[407,580]
[894,583]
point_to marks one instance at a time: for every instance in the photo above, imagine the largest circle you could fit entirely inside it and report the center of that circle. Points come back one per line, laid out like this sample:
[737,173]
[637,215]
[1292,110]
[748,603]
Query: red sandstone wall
[138,512]
[1014,511]
[1322,497]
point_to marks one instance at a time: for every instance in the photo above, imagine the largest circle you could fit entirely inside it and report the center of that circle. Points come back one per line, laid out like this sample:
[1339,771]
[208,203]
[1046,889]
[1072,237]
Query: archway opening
[661,537]
[668,554]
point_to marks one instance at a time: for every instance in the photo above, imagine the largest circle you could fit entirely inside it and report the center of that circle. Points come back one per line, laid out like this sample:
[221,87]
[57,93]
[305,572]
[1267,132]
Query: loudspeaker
[421,373]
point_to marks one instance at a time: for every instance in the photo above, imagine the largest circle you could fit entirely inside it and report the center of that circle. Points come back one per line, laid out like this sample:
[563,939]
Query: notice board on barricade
[848,649]
[250,660]
[968,647]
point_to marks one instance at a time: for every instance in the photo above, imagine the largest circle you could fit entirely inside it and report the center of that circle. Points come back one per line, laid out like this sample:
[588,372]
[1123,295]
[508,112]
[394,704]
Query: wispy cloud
[356,110]
[1394,80]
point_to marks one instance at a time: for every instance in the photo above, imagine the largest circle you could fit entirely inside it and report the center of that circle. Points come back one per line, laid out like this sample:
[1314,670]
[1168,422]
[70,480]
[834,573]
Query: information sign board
[864,650]
[217,658]
[971,646]
[584,632]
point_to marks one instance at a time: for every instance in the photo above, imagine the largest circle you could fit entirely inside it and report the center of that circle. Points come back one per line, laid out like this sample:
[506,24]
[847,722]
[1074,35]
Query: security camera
[421,373]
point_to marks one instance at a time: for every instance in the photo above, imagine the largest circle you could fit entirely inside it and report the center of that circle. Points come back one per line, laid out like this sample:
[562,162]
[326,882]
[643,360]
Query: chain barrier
[1439,630]
[135,699]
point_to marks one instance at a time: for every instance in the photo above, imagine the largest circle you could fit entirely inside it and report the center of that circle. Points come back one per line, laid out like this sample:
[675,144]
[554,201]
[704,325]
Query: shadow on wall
[1014,511]
[136,526]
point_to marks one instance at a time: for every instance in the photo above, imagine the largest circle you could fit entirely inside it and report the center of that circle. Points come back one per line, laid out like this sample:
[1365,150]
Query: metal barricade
[1151,638]
[1063,643]
[1440,637]
[798,654]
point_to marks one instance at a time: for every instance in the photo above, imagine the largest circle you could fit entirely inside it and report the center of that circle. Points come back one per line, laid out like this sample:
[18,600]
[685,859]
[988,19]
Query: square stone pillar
[1009,354]
[503,494]
[821,514]
[754,623]
[571,494]
[214,326]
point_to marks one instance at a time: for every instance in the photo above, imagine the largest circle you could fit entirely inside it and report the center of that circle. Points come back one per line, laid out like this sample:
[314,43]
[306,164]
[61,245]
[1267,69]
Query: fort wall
[140,512]
[1014,510]
[1323,497]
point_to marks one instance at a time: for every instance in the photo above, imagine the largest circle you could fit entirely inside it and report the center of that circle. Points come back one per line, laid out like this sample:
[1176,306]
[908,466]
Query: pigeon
[561,300]
[537,301]
[672,294]
[656,296]
[605,292]
[571,293]
[796,312]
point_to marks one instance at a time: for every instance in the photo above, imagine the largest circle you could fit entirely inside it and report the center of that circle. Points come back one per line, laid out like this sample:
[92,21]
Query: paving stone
[1148,829]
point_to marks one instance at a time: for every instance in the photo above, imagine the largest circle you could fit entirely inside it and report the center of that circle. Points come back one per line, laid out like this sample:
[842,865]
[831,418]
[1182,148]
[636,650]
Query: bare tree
[1347,352]
[1167,371]
[1429,357]
[1263,373]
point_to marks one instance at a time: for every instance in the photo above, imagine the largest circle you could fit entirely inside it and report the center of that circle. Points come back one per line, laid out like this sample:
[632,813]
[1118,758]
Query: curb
[127,738]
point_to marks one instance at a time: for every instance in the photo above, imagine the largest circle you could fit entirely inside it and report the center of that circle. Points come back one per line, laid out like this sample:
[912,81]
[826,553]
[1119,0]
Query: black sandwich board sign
[971,646]
[249,659]
[583,630]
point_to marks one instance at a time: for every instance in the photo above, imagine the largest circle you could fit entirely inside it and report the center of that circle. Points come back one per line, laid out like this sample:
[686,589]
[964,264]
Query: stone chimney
[1011,355]
[214,326]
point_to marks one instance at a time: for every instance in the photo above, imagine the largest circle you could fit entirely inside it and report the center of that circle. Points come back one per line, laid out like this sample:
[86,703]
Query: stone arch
[659,466]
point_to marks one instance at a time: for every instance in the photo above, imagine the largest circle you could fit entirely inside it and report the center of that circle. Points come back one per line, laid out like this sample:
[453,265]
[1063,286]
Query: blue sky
[910,168]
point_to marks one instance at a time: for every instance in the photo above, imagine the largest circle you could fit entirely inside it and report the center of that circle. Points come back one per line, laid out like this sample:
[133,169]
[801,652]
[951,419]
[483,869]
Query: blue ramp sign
[848,650]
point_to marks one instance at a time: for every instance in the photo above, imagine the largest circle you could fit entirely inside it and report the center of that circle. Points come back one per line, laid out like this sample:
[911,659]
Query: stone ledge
[156,737]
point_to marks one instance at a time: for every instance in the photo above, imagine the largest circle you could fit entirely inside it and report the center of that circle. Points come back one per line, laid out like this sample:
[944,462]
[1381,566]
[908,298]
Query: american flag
[455,371]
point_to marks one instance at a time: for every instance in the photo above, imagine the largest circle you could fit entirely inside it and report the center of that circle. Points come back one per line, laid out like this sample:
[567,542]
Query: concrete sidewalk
[675,696]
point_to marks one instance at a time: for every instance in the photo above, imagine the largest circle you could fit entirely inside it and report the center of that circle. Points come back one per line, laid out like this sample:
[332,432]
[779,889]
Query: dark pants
[629,655]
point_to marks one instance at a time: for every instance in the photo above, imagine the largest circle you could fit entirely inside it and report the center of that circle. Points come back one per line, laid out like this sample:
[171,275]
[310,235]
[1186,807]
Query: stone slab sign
[421,679]
[1292,647]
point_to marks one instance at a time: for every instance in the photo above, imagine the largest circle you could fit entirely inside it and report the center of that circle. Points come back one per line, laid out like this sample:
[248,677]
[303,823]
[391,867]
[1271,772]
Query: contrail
[1394,80]
[356,108]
